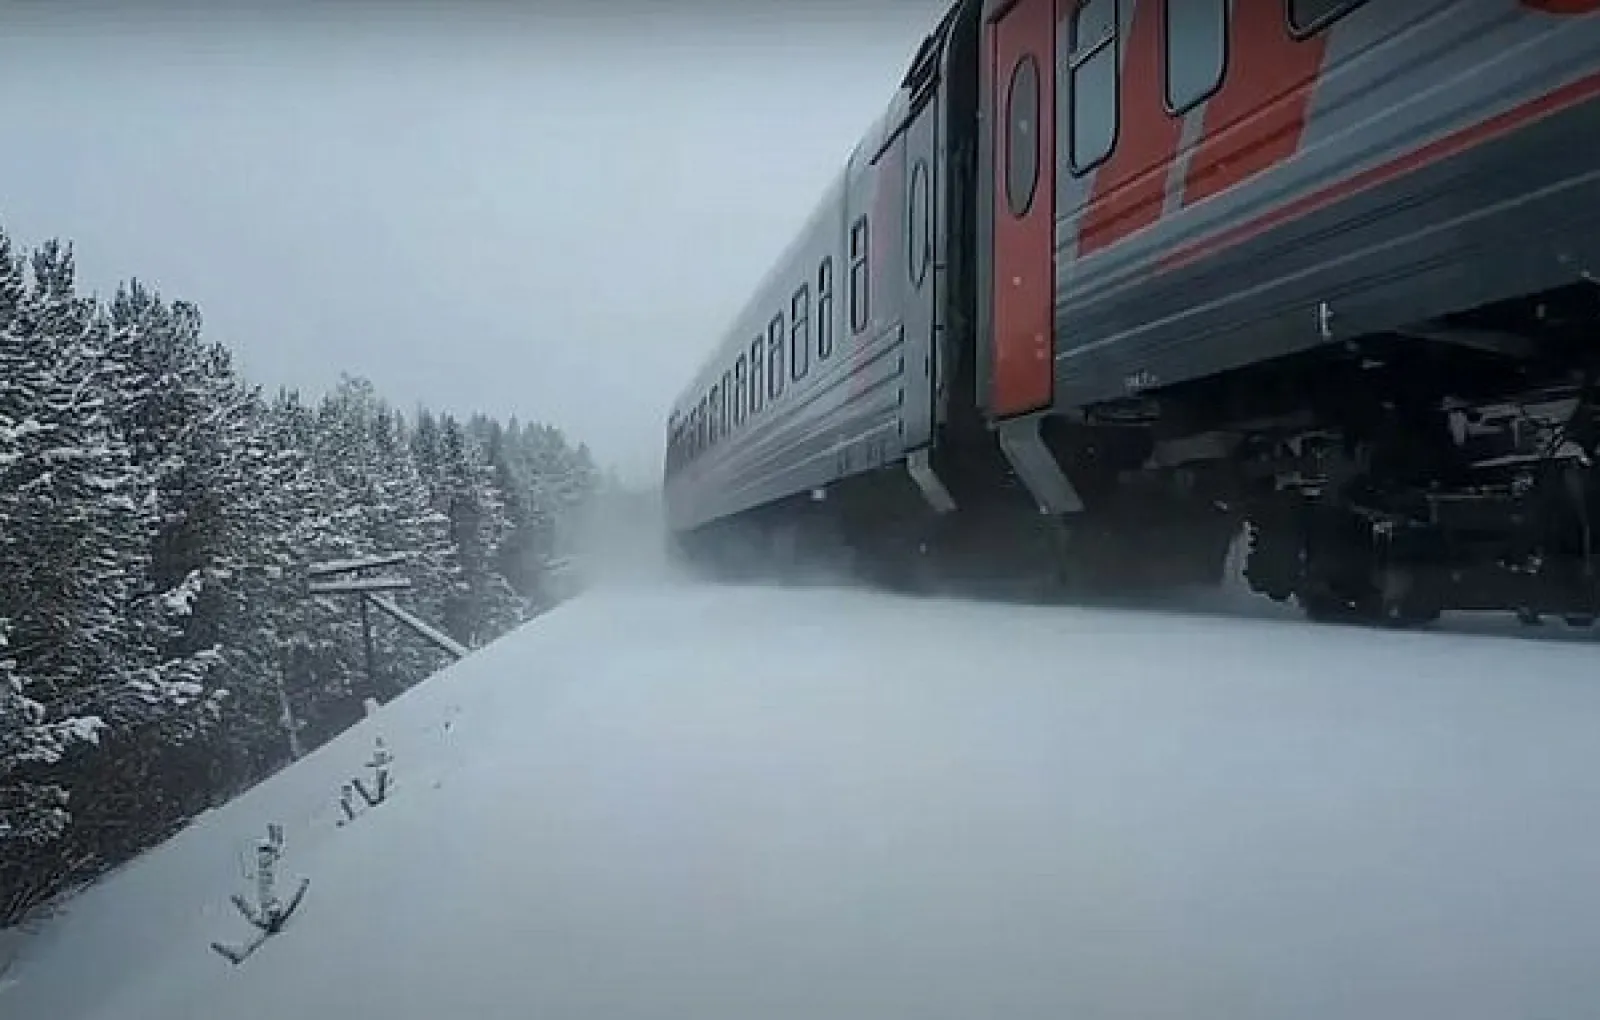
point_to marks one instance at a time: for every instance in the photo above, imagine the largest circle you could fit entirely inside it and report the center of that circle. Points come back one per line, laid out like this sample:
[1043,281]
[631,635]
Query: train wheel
[1347,577]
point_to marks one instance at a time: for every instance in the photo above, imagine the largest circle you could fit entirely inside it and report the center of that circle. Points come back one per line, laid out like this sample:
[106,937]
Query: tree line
[158,514]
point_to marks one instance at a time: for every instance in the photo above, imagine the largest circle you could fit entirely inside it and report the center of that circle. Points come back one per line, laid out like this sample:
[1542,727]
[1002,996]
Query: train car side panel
[816,365]
[764,449]
[1377,170]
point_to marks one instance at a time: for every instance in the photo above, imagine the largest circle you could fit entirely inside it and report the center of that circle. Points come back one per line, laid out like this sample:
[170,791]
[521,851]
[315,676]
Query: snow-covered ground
[691,804]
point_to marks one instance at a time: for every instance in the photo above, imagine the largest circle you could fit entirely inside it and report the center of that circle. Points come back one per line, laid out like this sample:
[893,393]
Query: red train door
[1021,44]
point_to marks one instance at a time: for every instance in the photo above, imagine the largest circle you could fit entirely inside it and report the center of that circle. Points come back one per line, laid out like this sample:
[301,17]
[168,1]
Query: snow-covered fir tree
[482,604]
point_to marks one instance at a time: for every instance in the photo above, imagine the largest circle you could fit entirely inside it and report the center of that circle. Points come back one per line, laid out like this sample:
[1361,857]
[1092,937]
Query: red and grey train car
[1111,280]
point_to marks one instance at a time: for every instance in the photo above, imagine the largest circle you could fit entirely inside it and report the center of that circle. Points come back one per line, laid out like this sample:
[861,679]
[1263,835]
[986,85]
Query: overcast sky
[548,209]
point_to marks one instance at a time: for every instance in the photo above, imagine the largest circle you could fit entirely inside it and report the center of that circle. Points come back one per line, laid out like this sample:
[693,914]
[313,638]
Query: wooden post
[372,653]
[289,725]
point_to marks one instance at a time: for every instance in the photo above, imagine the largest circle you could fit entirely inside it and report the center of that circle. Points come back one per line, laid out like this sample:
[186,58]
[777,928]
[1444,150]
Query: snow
[675,802]
[180,600]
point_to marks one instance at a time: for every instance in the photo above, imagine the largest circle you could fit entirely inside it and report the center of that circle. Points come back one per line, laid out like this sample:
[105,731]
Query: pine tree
[412,525]
[76,516]
[482,606]
[322,650]
[77,512]
[366,456]
[516,559]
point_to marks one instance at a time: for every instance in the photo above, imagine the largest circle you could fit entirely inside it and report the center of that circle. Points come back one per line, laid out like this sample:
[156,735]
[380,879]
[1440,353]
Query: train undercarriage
[1454,466]
[1496,513]
[1451,467]
[1448,467]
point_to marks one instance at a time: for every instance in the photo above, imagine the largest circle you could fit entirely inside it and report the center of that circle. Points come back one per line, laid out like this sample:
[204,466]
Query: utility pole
[373,685]
[370,591]
[326,579]
[290,726]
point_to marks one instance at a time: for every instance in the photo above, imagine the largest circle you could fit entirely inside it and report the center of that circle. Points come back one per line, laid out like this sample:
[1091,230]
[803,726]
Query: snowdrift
[700,803]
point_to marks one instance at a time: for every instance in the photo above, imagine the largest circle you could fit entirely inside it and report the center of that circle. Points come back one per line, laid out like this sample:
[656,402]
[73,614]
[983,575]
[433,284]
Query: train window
[825,309]
[1307,17]
[800,333]
[757,372]
[1022,136]
[716,414]
[700,427]
[1197,50]
[1092,74]
[1094,23]
[775,357]
[727,398]
[858,275]
[738,392]
[919,232]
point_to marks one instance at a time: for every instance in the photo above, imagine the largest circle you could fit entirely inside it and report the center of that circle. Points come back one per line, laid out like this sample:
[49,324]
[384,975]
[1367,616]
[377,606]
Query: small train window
[739,402]
[1197,50]
[757,373]
[1092,74]
[825,309]
[700,427]
[727,398]
[1307,17]
[800,333]
[716,419]
[858,275]
[775,358]
[1022,136]
[919,231]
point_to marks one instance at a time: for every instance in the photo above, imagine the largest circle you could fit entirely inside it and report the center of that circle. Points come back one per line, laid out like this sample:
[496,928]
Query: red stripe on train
[1486,130]
[1258,117]
[1131,186]
[1563,6]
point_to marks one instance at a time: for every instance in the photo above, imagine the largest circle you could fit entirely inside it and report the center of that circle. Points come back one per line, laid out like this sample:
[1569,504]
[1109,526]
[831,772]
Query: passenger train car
[1113,281]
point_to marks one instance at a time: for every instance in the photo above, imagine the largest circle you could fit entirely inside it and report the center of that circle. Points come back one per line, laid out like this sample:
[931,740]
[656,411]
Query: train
[1114,290]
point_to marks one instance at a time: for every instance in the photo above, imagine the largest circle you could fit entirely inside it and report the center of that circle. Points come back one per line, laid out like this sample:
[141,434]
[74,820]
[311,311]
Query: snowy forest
[158,515]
